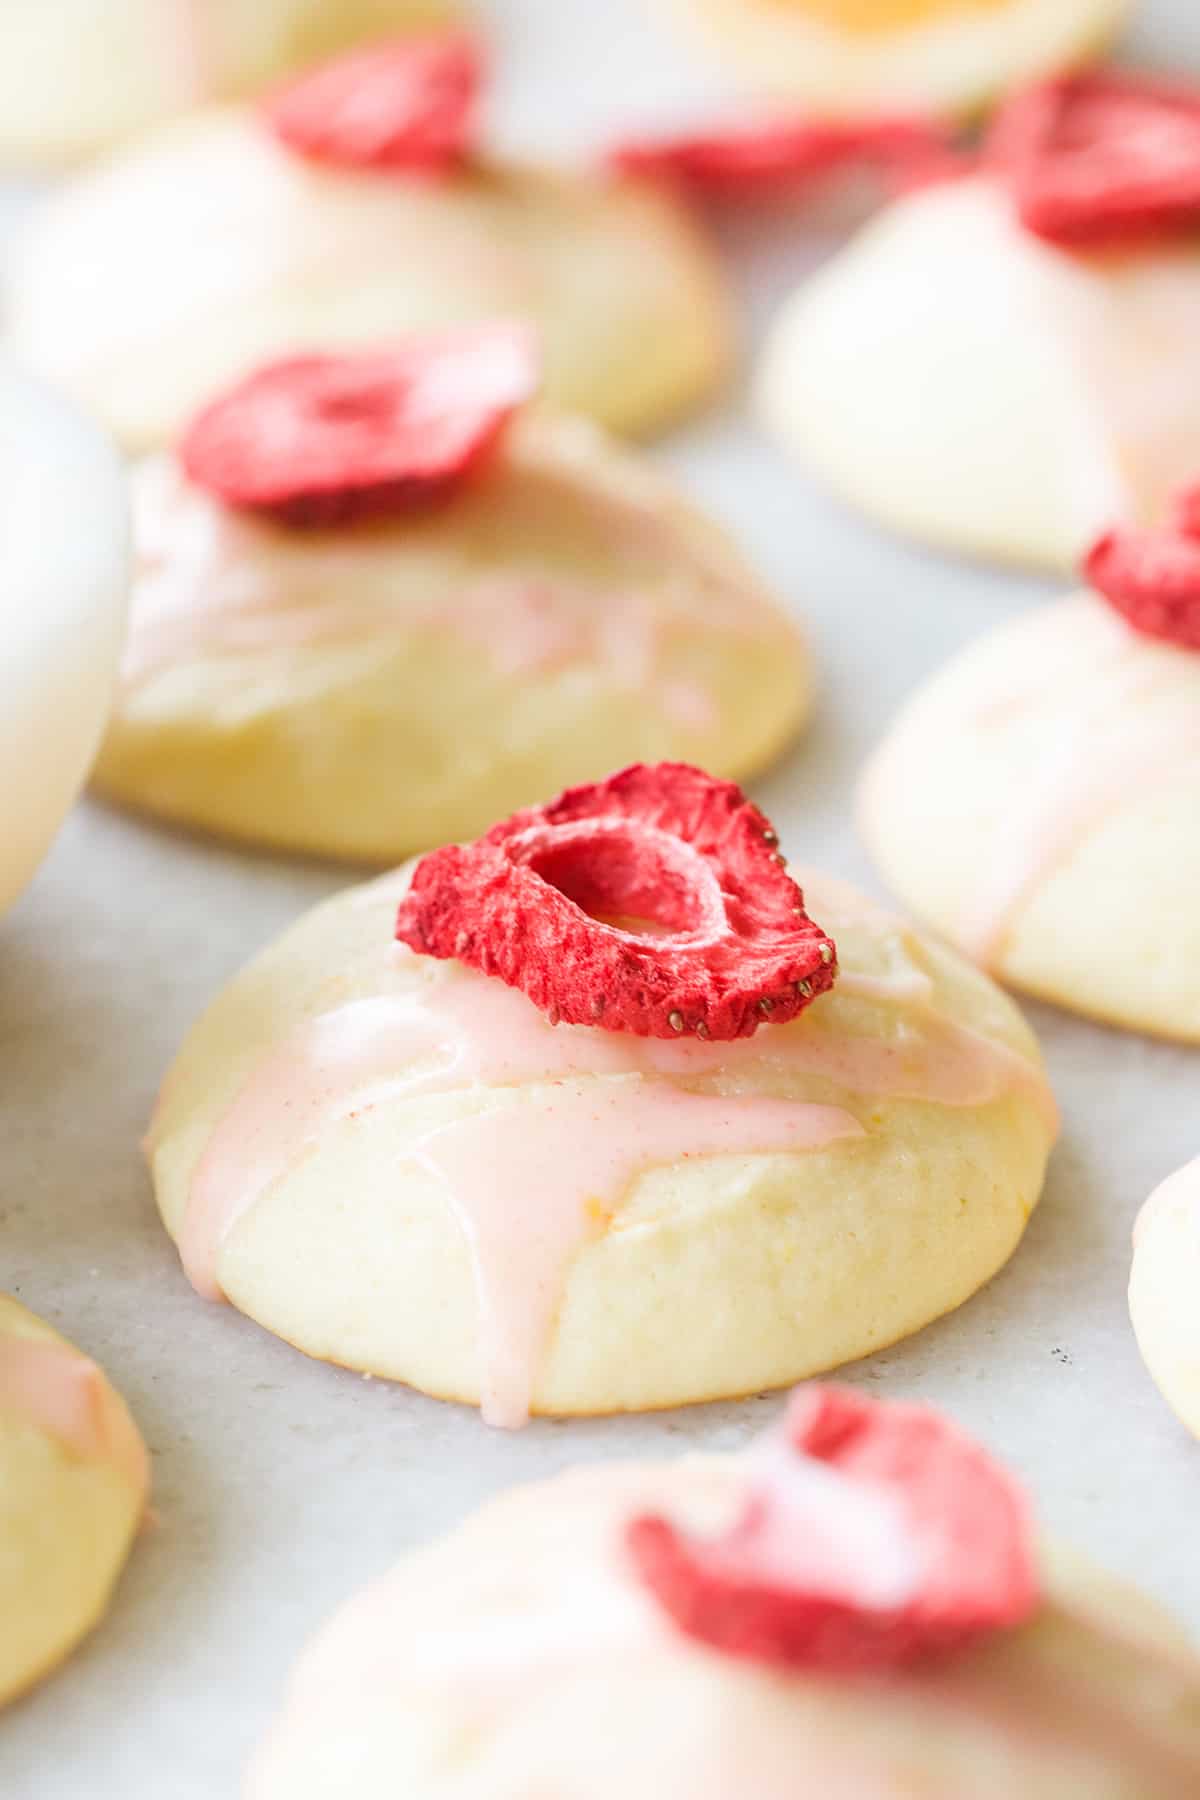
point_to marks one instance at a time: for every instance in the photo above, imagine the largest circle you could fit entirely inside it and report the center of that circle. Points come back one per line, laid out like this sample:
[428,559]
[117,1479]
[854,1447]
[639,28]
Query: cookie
[76,75]
[396,1161]
[862,56]
[73,1483]
[975,386]
[779,1669]
[383,684]
[1163,1287]
[1037,801]
[67,593]
[179,264]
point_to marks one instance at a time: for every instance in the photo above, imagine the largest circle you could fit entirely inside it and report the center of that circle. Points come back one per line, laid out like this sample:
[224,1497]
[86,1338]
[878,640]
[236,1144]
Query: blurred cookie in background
[947,56]
[65,568]
[77,75]
[1004,362]
[339,214]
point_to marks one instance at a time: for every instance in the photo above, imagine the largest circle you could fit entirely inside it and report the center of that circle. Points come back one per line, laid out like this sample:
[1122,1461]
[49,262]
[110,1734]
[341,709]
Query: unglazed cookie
[1038,802]
[240,234]
[972,384]
[383,684]
[538,1649]
[65,569]
[73,1483]
[1164,1291]
[77,74]
[858,56]
[397,1162]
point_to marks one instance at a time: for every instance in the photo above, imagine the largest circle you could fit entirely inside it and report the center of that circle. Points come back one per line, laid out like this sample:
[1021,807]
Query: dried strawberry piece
[874,1536]
[320,440]
[409,103]
[540,899]
[1185,511]
[766,159]
[1098,159]
[1152,578]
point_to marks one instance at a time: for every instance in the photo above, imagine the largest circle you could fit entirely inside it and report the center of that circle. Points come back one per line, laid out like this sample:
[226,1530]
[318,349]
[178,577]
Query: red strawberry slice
[409,103]
[320,440]
[1152,576]
[1097,159]
[765,159]
[874,1536]
[553,902]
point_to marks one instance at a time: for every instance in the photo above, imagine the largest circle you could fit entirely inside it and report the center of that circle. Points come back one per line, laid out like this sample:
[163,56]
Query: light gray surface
[281,1484]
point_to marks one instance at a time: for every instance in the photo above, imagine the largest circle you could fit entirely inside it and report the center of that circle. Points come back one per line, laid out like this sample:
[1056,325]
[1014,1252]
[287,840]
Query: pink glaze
[465,1031]
[213,583]
[51,1386]
[1126,733]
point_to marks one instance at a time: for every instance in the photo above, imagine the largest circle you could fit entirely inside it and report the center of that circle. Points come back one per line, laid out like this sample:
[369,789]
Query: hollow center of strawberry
[634,879]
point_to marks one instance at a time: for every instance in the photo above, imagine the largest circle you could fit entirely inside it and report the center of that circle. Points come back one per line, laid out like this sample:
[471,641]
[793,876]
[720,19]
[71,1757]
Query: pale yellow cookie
[75,75]
[65,570]
[375,689]
[1164,1291]
[1038,802]
[399,1164]
[862,56]
[175,267]
[966,383]
[520,1655]
[73,1483]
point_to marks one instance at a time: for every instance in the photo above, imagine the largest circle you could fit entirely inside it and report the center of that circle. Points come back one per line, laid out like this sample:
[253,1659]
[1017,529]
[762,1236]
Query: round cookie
[860,56]
[374,688]
[970,384]
[1164,1291]
[522,1654]
[1038,802]
[77,74]
[400,1164]
[73,1483]
[65,600]
[177,265]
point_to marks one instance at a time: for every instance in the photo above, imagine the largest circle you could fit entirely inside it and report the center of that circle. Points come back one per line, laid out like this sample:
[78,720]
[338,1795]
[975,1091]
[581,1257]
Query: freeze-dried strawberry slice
[1185,511]
[783,155]
[1152,577]
[319,440]
[654,902]
[873,1536]
[1096,159]
[408,103]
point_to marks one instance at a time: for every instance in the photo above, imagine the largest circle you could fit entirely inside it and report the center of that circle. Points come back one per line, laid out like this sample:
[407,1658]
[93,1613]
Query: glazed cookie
[595,1135]
[1164,1291]
[77,74]
[73,1483]
[854,1606]
[528,610]
[348,211]
[861,56]
[65,594]
[998,365]
[1038,801]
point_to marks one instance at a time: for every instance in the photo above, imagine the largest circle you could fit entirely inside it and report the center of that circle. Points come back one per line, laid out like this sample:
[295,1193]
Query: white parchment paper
[281,1484]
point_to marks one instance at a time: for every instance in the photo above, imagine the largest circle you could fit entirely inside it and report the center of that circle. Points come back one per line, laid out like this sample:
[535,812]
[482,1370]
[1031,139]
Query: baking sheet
[281,1484]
